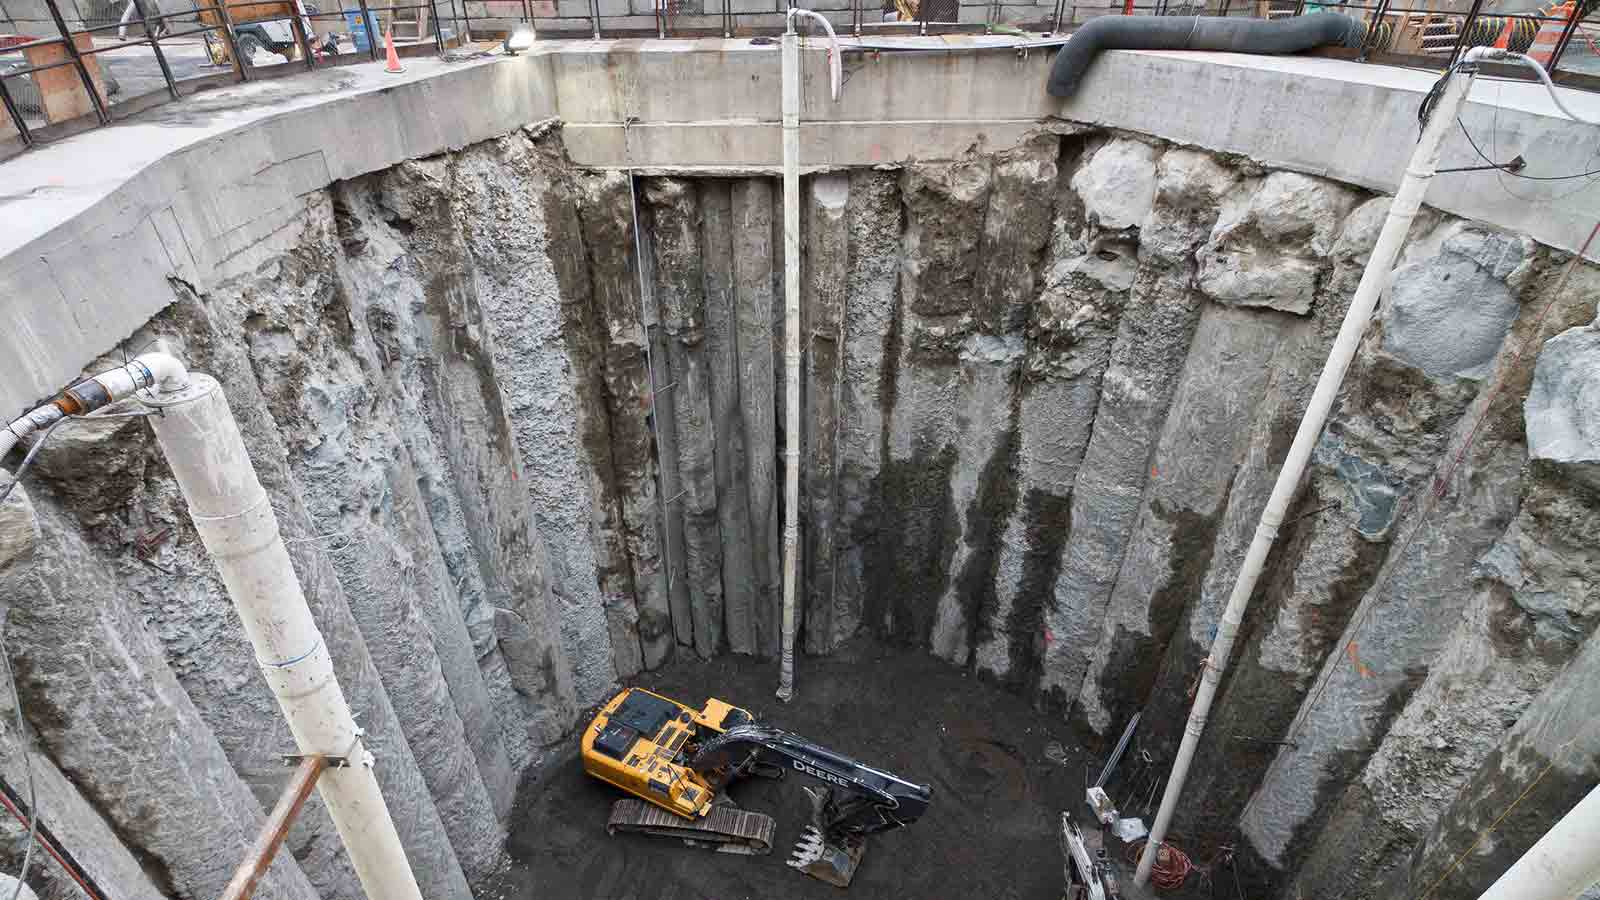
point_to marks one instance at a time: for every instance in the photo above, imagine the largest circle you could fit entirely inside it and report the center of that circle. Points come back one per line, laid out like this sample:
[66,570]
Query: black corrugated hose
[1197,33]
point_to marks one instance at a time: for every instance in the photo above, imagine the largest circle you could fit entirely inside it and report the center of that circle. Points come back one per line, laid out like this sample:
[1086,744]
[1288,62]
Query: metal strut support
[276,828]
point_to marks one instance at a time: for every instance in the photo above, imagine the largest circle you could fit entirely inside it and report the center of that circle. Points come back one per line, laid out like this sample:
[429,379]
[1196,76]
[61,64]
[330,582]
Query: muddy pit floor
[991,831]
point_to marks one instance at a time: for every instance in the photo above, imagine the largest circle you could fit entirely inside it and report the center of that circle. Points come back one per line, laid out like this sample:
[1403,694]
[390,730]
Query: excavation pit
[991,831]
[512,376]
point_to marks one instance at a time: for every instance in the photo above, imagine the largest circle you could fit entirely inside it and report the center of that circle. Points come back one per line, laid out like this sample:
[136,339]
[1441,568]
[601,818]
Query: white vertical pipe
[231,511]
[791,321]
[1407,200]
[791,350]
[1559,866]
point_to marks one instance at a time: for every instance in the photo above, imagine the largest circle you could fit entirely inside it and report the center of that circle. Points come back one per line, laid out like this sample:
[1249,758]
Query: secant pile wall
[521,422]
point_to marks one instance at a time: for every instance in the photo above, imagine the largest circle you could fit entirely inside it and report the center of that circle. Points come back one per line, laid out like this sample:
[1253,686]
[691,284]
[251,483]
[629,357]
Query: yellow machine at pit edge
[650,769]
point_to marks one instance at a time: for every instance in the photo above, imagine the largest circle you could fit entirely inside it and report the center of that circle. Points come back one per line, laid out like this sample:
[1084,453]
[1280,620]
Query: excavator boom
[865,799]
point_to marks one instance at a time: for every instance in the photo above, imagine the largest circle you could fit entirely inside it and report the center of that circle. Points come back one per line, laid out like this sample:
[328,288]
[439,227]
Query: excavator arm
[863,800]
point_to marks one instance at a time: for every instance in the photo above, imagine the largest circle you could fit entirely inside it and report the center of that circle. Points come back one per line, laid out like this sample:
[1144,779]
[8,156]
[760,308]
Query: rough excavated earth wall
[522,425]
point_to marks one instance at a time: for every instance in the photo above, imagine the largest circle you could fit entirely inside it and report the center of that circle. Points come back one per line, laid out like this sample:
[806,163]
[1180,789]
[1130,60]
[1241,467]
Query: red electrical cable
[1171,867]
[49,847]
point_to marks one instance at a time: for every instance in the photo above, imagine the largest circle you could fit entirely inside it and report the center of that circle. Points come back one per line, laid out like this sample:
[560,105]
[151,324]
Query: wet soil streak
[1167,705]
[1048,519]
[873,531]
[1136,658]
[987,515]
[1345,771]
[1259,703]
[911,562]
[820,502]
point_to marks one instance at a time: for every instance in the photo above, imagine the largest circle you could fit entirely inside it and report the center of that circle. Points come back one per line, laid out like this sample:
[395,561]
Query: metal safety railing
[1430,34]
[1427,35]
[216,24]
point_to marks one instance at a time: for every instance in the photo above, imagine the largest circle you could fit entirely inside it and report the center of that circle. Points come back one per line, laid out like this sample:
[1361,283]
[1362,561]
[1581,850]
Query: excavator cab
[639,742]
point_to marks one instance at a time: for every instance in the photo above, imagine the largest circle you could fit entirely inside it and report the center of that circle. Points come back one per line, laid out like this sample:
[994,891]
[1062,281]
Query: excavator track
[726,828]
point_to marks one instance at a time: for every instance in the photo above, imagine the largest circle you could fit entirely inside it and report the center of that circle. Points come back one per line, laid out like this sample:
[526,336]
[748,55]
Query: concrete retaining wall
[197,189]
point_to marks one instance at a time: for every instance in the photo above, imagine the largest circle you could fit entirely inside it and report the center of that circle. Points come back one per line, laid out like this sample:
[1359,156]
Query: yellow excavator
[677,763]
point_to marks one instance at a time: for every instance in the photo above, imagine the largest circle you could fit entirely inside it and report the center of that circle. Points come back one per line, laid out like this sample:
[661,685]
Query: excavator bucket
[834,864]
[814,855]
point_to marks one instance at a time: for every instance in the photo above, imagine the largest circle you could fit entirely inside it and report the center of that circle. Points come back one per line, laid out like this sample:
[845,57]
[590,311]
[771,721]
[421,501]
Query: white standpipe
[234,517]
[1562,864]
[791,326]
[1407,200]
[791,350]
[231,511]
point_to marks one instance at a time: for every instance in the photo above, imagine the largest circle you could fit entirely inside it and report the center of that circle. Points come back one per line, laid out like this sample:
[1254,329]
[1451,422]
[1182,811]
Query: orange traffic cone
[1544,43]
[392,66]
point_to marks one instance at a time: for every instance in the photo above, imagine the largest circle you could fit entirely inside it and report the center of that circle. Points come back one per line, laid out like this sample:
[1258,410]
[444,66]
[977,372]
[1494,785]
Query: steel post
[228,38]
[16,115]
[1567,32]
[438,36]
[372,33]
[297,27]
[1466,29]
[150,27]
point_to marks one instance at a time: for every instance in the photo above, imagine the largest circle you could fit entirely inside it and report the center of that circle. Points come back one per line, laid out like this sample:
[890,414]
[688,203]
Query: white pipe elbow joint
[167,373]
[160,371]
[835,63]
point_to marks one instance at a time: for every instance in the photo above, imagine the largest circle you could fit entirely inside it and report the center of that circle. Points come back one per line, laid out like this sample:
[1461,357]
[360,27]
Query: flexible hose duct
[1197,33]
